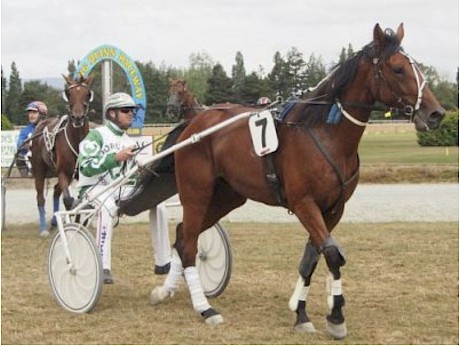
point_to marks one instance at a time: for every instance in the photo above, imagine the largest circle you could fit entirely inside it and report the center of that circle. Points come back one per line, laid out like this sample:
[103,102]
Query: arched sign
[108,52]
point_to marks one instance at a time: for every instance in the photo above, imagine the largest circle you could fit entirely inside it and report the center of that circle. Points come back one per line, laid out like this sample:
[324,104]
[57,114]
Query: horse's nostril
[434,120]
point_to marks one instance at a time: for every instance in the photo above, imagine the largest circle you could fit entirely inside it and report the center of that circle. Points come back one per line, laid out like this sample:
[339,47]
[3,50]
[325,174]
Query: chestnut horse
[55,146]
[182,104]
[316,164]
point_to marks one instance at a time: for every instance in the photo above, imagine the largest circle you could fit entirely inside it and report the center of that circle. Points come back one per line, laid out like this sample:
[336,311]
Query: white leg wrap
[300,293]
[175,274]
[333,288]
[199,301]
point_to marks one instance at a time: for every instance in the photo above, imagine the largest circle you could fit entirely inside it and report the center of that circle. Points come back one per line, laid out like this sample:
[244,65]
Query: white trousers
[107,212]
[160,235]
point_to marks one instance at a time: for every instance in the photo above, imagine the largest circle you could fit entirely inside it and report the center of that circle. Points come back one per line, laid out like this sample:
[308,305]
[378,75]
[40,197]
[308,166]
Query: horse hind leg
[172,281]
[171,284]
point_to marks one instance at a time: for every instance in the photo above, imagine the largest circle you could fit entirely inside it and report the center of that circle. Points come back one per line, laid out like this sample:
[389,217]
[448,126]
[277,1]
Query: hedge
[445,136]
[6,123]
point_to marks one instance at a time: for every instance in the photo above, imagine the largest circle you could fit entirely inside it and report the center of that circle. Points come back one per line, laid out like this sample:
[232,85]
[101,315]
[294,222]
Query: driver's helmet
[263,101]
[37,106]
[119,100]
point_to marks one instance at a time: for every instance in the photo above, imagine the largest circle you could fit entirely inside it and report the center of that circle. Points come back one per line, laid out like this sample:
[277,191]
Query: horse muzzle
[432,121]
[78,121]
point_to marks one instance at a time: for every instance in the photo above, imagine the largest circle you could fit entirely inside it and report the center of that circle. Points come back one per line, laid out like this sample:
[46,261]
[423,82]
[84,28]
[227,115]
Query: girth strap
[272,179]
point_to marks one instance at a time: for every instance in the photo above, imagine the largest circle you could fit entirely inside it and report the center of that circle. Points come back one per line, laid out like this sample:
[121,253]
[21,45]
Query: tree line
[291,74]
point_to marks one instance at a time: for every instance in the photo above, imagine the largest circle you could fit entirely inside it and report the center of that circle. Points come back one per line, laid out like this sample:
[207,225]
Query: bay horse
[182,104]
[55,146]
[316,164]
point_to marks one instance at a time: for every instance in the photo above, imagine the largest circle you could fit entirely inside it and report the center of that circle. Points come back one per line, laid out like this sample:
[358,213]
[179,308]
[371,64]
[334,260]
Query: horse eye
[398,70]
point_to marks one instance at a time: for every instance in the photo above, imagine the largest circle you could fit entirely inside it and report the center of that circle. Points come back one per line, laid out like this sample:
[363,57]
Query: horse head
[175,105]
[78,96]
[398,82]
[181,102]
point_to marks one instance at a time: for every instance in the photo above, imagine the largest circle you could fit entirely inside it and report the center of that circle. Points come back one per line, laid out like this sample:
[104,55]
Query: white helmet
[119,100]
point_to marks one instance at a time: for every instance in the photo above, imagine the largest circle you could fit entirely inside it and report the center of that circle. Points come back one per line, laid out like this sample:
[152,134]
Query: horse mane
[317,104]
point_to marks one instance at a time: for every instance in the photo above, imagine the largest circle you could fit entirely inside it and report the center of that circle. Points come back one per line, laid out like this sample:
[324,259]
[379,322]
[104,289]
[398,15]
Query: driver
[36,111]
[104,155]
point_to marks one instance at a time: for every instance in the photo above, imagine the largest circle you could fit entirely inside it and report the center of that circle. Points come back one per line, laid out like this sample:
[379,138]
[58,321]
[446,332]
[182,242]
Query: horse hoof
[306,327]
[337,331]
[214,320]
[212,317]
[158,295]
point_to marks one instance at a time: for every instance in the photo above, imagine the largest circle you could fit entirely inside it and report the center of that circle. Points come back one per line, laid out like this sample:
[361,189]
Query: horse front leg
[39,187]
[64,183]
[56,195]
[298,301]
[320,242]
[335,258]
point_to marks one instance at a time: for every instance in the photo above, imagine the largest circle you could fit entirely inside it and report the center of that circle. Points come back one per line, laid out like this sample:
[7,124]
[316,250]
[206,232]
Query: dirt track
[370,203]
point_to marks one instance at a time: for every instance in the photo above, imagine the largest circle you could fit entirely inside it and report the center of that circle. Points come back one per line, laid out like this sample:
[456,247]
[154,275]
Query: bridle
[380,80]
[409,110]
[78,121]
[177,101]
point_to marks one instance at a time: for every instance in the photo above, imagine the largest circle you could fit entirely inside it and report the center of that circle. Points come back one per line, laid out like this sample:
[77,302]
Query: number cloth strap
[263,133]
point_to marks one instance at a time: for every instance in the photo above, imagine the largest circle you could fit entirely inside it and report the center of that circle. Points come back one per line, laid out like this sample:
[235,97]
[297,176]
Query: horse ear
[89,80]
[400,32]
[68,79]
[379,39]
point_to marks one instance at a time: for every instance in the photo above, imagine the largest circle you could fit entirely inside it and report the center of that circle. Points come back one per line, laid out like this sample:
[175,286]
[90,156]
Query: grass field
[400,283]
[395,157]
[401,148]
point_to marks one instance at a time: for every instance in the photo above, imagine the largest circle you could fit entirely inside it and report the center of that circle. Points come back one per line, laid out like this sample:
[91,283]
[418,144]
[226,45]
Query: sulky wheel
[76,282]
[214,260]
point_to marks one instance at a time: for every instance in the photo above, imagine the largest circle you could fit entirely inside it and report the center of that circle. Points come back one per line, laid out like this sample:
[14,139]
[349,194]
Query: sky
[41,36]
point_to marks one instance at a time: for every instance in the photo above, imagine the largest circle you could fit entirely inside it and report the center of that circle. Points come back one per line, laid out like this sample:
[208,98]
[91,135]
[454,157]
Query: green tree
[36,90]
[71,67]
[279,76]
[296,71]
[6,124]
[198,73]
[238,76]
[447,94]
[13,110]
[252,89]
[315,71]
[219,86]
[4,93]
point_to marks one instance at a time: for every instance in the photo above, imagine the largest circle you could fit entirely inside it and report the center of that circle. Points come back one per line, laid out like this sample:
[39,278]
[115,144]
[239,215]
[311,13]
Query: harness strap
[338,172]
[273,181]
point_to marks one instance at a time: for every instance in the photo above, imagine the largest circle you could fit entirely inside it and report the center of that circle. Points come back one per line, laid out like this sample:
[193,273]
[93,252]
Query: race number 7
[263,133]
